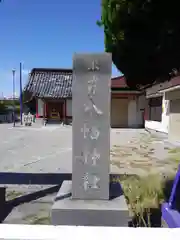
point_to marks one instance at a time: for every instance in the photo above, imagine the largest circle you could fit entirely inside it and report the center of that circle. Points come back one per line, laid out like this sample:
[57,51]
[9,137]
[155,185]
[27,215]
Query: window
[155,108]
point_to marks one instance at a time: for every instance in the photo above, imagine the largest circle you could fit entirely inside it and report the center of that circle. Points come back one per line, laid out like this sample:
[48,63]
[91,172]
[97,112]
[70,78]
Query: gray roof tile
[50,83]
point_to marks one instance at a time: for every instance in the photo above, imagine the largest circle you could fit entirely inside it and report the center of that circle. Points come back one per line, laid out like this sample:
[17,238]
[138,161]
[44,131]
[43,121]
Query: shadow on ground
[9,205]
[29,179]
[42,179]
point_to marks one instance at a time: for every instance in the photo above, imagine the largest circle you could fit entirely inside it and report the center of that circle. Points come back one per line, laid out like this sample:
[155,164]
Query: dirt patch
[10,195]
[42,218]
[146,153]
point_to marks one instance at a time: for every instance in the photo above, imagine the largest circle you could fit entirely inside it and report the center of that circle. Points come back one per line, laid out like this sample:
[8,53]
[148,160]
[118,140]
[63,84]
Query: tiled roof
[57,83]
[119,82]
[50,83]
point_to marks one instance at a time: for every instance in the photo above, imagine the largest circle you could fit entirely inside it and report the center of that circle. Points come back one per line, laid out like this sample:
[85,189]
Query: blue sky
[46,33]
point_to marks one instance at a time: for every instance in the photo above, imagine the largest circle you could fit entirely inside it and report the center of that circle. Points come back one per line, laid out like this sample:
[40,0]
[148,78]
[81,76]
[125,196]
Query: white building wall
[165,113]
[69,107]
[40,107]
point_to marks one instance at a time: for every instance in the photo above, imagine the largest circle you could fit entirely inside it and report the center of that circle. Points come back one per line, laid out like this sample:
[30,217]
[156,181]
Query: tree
[3,107]
[143,37]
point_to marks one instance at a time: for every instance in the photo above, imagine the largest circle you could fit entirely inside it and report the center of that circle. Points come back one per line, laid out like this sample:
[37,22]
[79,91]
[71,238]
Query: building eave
[170,89]
[126,92]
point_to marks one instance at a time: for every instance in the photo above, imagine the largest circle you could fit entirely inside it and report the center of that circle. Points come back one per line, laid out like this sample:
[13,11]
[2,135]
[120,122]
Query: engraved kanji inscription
[95,157]
[92,86]
[94,66]
[90,181]
[92,132]
[85,130]
[89,158]
[91,107]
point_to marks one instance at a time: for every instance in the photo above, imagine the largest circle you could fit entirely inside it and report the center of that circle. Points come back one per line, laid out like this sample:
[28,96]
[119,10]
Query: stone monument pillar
[89,199]
[91,126]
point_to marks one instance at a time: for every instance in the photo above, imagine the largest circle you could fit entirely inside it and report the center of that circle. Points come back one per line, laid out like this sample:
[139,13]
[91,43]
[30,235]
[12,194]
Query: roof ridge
[69,70]
[121,76]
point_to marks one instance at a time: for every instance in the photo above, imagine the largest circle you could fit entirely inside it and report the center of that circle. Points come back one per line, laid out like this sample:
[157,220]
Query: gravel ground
[140,152]
[48,149]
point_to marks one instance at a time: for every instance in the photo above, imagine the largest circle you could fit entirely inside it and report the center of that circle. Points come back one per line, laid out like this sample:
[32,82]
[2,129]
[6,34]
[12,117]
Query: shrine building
[48,93]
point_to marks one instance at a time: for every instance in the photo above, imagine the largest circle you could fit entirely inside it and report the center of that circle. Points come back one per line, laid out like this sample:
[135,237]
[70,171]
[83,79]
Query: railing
[33,178]
[31,232]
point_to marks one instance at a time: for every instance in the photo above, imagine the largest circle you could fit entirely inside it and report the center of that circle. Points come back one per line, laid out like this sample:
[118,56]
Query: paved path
[49,149]
[30,149]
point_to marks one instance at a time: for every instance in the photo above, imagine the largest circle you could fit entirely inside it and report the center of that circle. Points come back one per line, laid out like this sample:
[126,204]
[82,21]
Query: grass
[40,219]
[174,151]
[43,220]
[174,156]
[12,194]
[144,196]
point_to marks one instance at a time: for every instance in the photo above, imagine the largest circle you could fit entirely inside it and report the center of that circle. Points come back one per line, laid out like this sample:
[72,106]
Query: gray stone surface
[68,211]
[91,126]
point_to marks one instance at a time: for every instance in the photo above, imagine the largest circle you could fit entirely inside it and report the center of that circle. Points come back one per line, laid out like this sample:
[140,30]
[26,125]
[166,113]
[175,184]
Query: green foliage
[3,107]
[4,104]
[143,37]
[9,102]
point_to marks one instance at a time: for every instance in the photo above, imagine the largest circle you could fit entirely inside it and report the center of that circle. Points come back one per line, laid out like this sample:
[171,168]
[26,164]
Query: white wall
[69,107]
[154,125]
[165,113]
[40,107]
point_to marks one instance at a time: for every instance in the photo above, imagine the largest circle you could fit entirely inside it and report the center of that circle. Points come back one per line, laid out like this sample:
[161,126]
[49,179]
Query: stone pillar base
[112,212]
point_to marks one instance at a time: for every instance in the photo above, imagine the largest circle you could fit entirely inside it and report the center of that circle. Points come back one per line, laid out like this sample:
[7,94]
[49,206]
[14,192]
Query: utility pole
[13,79]
[21,94]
